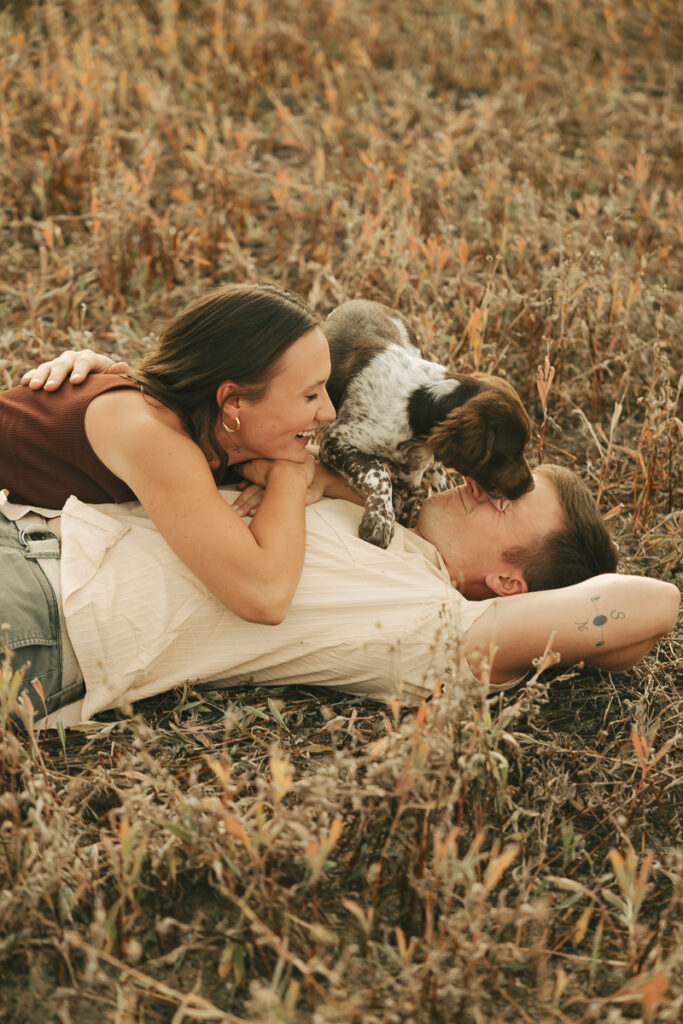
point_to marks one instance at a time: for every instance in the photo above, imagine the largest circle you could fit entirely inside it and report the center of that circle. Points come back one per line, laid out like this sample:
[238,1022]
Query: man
[551,551]
[380,623]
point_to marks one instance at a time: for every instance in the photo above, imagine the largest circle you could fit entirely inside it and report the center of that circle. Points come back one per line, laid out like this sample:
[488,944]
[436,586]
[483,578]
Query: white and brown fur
[402,418]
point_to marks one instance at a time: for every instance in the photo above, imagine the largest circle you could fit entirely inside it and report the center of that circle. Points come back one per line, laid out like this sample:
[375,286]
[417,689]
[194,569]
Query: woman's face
[282,423]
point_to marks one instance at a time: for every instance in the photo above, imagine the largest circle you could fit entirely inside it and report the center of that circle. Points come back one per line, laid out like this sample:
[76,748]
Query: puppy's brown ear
[463,441]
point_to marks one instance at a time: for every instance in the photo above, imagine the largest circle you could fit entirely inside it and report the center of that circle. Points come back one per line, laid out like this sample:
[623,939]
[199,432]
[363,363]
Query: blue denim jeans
[28,606]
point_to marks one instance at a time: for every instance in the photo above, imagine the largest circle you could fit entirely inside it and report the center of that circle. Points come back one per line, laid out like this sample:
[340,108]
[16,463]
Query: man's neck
[473,590]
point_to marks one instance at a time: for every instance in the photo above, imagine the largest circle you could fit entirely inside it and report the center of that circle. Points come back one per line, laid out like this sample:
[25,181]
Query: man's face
[471,534]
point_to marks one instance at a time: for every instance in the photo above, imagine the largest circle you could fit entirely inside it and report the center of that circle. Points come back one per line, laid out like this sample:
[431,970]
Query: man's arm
[610,621]
[75,364]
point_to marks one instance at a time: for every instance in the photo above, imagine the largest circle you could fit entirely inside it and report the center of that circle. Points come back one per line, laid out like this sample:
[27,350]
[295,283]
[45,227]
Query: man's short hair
[579,550]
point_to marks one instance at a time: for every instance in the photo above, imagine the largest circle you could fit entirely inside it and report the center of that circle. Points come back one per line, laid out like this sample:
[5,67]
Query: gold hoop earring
[231,430]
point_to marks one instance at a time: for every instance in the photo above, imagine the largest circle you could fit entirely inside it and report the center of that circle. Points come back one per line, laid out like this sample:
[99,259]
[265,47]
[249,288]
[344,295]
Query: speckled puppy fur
[400,416]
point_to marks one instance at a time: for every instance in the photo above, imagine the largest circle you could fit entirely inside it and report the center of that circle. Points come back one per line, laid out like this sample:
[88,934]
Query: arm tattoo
[599,620]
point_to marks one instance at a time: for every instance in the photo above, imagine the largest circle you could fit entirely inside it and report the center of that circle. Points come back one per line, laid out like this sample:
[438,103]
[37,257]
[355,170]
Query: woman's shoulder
[122,398]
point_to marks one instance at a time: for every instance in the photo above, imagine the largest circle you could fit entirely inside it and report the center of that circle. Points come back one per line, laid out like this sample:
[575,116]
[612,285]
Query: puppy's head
[485,438]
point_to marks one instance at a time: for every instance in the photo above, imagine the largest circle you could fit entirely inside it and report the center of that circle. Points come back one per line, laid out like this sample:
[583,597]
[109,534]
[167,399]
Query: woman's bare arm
[252,569]
[610,621]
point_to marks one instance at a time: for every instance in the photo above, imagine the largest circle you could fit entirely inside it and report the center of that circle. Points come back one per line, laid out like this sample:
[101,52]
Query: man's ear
[505,586]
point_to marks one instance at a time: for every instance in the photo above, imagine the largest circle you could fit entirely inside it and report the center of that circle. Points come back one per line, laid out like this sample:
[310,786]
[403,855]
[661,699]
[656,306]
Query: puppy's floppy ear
[430,404]
[464,440]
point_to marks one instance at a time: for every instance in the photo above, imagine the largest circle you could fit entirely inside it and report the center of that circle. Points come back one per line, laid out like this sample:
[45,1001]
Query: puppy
[396,409]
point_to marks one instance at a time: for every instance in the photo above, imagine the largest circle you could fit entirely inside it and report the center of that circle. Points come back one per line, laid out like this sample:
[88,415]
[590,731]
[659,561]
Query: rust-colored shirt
[44,453]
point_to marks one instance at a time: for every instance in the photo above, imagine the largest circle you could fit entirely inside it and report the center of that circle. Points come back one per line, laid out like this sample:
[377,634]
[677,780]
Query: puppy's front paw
[376,528]
[406,504]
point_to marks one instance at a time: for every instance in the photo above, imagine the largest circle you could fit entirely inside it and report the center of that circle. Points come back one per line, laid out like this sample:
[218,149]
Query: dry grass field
[508,173]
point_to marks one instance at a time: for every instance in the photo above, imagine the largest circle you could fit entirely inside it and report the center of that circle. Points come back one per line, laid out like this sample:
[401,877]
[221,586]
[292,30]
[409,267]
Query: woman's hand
[76,364]
[257,471]
[324,483]
[249,500]
[320,485]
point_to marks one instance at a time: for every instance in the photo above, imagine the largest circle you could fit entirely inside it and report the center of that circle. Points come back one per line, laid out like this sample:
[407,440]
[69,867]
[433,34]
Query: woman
[239,376]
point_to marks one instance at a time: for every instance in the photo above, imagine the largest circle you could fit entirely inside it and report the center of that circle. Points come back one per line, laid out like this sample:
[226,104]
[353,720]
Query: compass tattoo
[598,620]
